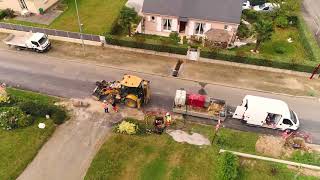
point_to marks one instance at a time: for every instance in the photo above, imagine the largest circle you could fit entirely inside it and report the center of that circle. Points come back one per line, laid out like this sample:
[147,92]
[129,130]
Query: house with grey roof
[218,19]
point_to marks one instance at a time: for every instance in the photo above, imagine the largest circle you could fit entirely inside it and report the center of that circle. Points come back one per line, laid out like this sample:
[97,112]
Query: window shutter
[174,25]
[159,23]
[207,27]
[190,28]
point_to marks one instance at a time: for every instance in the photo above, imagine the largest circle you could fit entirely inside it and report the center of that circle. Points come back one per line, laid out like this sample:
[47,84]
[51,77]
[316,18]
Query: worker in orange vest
[168,119]
[106,106]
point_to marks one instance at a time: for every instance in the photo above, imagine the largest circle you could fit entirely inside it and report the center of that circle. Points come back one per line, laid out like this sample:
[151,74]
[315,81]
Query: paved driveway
[68,153]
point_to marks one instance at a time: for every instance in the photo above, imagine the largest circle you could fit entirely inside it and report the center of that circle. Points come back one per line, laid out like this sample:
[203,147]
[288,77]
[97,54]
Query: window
[153,18]
[42,40]
[199,28]
[167,24]
[35,43]
[293,116]
[287,122]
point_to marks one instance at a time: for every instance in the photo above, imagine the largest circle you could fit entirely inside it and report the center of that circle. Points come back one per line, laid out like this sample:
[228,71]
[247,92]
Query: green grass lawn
[18,147]
[97,16]
[160,157]
[278,48]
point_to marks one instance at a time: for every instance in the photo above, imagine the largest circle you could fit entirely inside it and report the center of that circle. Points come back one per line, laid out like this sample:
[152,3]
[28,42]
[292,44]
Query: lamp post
[80,27]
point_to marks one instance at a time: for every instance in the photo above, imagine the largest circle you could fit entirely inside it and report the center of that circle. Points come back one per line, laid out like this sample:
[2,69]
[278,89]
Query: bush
[229,166]
[174,36]
[4,97]
[255,61]
[250,15]
[59,115]
[243,31]
[281,21]
[127,128]
[2,14]
[154,47]
[9,13]
[13,117]
[38,109]
[279,49]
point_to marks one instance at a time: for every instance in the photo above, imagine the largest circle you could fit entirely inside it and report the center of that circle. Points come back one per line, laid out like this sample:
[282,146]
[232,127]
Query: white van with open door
[266,112]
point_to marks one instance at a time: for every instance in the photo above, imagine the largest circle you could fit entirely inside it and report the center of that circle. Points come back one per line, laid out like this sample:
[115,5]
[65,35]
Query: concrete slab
[47,18]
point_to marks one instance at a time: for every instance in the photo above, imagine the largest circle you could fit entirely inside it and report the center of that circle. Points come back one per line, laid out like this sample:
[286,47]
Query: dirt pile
[272,146]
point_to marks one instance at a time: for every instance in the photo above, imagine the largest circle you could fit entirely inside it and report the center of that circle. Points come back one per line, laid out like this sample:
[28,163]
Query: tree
[128,16]
[263,30]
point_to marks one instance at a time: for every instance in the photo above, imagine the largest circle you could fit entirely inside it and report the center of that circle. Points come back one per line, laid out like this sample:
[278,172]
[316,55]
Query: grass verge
[18,147]
[160,157]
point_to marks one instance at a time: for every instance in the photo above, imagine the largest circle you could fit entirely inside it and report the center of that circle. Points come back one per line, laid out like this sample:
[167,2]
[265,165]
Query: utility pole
[80,27]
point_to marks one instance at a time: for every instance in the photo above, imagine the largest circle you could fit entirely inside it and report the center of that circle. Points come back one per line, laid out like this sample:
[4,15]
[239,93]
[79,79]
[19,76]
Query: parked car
[246,5]
[266,7]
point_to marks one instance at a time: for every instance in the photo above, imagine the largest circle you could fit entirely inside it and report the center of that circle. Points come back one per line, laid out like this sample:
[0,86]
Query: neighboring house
[32,6]
[192,17]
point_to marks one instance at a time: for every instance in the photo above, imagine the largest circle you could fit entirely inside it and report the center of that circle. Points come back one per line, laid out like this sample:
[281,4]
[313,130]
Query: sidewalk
[215,73]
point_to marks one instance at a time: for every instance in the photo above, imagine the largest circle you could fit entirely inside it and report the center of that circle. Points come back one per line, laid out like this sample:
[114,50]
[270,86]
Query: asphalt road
[69,78]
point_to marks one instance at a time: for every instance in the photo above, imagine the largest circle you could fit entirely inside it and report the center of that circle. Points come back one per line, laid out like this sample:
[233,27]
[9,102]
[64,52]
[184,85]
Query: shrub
[279,49]
[174,36]
[250,15]
[4,97]
[38,109]
[154,47]
[282,22]
[2,14]
[13,117]
[9,13]
[127,128]
[229,166]
[243,31]
[59,115]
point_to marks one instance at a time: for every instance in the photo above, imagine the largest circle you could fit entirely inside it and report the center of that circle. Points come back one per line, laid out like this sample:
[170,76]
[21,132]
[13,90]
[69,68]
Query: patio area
[47,18]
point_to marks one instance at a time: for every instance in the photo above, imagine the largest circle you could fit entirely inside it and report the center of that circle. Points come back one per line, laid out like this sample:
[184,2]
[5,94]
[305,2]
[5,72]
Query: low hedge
[113,40]
[142,45]
[256,61]
[307,40]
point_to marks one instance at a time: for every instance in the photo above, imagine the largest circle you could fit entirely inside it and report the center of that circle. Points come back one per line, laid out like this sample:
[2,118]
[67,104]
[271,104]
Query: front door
[23,4]
[182,27]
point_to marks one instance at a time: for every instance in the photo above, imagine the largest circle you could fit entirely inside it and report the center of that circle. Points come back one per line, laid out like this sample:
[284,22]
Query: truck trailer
[199,106]
[266,112]
[37,42]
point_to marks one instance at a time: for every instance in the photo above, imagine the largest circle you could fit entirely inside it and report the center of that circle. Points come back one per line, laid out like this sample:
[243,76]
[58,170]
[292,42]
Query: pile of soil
[272,146]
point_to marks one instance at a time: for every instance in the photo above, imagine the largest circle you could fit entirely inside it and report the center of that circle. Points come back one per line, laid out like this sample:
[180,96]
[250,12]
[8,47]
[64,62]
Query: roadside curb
[81,61]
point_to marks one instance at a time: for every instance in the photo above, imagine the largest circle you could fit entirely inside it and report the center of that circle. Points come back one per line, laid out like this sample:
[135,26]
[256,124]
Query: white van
[266,112]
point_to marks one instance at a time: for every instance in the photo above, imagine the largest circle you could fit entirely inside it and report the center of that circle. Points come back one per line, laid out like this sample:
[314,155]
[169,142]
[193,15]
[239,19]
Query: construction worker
[168,119]
[105,106]
[114,106]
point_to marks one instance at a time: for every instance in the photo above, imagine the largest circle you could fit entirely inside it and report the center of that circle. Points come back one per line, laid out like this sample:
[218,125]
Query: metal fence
[52,32]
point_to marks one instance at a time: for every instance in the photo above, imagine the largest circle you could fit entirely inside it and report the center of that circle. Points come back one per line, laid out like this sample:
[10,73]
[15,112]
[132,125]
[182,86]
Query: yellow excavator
[131,90]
